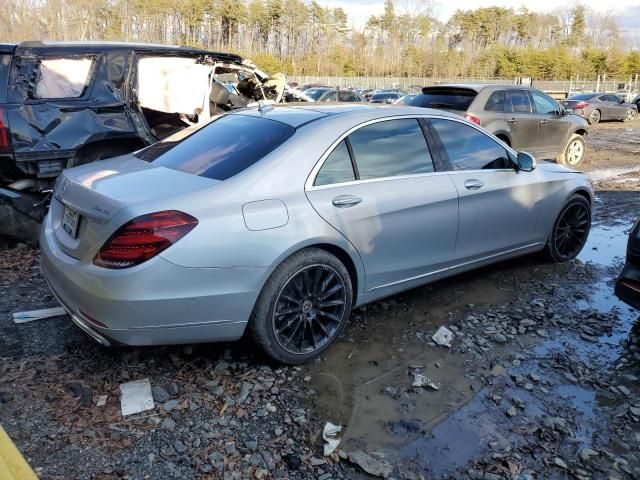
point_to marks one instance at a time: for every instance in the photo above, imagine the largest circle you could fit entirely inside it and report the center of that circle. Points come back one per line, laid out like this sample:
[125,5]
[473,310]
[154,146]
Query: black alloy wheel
[571,230]
[309,309]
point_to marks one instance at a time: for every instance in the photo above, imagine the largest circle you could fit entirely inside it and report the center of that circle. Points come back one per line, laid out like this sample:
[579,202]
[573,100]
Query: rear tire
[573,154]
[303,307]
[570,230]
[594,117]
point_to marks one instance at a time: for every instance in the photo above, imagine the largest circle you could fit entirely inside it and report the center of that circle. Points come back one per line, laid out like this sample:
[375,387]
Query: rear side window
[391,148]
[5,64]
[347,96]
[337,168]
[448,99]
[469,149]
[518,102]
[220,149]
[63,77]
[495,102]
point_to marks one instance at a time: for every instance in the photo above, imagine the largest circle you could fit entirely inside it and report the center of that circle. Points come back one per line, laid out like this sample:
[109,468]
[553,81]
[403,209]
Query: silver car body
[392,233]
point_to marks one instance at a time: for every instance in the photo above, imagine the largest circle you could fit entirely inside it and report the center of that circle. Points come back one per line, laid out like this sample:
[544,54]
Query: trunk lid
[97,192]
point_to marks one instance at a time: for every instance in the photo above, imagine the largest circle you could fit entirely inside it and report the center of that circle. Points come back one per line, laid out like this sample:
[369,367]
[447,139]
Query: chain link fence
[629,86]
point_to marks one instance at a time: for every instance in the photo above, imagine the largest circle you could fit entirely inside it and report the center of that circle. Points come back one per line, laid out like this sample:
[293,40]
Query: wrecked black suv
[66,104]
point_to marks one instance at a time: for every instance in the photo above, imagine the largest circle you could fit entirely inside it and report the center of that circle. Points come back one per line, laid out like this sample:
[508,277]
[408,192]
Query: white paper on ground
[329,435]
[24,317]
[443,337]
[135,397]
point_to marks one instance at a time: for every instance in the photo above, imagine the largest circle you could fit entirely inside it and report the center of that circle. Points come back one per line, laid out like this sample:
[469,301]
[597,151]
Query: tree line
[306,38]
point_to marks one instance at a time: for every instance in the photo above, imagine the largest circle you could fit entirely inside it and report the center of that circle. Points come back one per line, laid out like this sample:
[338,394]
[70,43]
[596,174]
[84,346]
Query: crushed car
[67,104]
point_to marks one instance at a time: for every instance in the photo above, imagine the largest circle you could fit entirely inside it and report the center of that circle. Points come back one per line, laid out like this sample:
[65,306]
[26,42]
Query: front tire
[570,230]
[632,113]
[573,153]
[303,307]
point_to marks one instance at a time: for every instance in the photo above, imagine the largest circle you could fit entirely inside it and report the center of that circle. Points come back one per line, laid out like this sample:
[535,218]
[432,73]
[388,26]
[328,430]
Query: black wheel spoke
[309,309]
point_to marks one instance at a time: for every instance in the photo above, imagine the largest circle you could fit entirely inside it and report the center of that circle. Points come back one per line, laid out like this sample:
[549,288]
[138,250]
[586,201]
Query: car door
[606,107]
[553,127]
[618,109]
[498,206]
[522,123]
[378,187]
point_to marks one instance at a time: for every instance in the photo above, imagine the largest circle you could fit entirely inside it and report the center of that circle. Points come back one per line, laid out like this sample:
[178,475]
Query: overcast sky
[627,12]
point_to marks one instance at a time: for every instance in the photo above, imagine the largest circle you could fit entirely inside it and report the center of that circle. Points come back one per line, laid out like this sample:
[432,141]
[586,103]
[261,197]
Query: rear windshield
[5,64]
[582,96]
[385,96]
[220,149]
[450,99]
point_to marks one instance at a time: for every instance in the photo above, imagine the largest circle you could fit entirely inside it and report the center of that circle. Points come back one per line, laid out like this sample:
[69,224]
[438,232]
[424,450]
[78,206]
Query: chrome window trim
[309,186]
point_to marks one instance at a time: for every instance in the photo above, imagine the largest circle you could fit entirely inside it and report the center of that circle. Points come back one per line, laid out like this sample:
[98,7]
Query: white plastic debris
[102,401]
[24,317]
[135,397]
[443,337]
[420,380]
[329,435]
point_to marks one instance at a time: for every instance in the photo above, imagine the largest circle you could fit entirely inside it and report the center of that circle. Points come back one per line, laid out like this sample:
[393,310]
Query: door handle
[513,120]
[473,184]
[344,201]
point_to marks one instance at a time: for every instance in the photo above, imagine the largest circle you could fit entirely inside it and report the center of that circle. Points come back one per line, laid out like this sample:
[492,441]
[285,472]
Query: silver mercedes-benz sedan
[281,220]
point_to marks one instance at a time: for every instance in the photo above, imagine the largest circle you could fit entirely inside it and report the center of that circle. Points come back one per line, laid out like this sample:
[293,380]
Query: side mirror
[526,162]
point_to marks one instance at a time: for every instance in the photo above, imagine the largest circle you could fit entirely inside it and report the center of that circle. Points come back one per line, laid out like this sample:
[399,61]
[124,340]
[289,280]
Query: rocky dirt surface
[541,380]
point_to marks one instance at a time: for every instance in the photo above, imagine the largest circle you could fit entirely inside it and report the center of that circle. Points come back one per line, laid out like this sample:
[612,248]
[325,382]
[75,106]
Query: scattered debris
[101,401]
[24,317]
[136,397]
[370,465]
[329,435]
[443,337]
[420,380]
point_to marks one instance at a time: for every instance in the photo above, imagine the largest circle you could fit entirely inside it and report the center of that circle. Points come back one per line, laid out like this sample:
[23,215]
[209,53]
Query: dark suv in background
[522,117]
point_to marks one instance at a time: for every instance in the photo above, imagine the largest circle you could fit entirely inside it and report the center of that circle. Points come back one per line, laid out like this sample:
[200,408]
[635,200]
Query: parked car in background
[384,96]
[601,106]
[217,229]
[628,283]
[524,118]
[405,100]
[636,101]
[327,94]
[67,104]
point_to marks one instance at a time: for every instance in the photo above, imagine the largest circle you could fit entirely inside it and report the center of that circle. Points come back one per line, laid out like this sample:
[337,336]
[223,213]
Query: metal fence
[414,84]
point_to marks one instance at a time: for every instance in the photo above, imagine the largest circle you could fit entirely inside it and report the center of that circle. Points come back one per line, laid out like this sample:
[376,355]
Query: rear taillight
[143,238]
[581,105]
[5,134]
[475,120]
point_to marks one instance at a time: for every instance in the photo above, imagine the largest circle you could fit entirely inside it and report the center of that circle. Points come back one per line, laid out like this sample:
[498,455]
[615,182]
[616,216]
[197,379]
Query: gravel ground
[541,380]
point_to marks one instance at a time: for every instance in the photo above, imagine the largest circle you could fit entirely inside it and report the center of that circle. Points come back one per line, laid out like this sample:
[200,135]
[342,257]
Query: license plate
[70,221]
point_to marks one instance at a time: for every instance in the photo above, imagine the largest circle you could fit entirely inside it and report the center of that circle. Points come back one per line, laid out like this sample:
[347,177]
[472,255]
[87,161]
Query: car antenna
[264,106]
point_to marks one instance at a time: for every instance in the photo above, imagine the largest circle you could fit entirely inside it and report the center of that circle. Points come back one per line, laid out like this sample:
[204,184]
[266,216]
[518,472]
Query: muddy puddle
[364,382]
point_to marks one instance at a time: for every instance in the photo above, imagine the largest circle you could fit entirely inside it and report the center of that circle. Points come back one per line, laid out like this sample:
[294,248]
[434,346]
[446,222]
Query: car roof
[300,115]
[101,46]
[479,86]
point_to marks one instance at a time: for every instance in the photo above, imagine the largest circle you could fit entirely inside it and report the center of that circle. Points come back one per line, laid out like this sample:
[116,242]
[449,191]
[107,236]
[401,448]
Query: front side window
[518,102]
[391,148]
[337,168]
[347,96]
[544,105]
[221,148]
[329,96]
[495,102]
[63,77]
[469,149]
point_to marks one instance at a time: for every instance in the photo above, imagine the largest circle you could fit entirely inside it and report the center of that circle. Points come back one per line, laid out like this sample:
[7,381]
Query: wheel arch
[112,148]
[583,192]
[347,254]
[505,137]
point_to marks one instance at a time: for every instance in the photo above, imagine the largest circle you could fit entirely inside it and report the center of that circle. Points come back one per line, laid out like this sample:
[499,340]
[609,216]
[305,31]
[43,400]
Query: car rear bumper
[156,303]
[628,285]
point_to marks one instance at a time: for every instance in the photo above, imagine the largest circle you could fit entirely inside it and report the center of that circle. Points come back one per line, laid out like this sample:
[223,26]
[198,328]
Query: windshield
[452,99]
[315,93]
[220,149]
